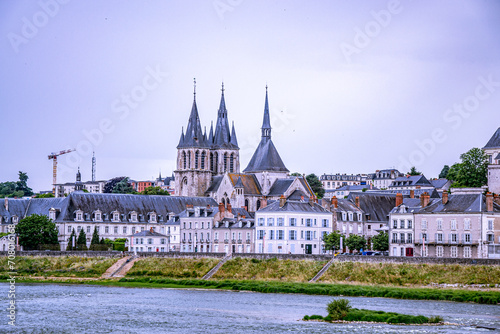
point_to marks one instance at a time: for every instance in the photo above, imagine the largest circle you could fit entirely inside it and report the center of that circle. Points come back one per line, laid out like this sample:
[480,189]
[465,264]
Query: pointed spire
[194,134]
[159,176]
[234,141]
[181,140]
[194,88]
[222,134]
[239,183]
[266,124]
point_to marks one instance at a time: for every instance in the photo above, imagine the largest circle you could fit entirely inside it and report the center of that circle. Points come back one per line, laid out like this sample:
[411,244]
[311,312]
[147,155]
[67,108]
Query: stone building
[492,150]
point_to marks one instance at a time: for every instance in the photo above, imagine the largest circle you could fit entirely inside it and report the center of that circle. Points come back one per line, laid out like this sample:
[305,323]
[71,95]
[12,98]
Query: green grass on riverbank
[480,297]
[60,266]
[172,267]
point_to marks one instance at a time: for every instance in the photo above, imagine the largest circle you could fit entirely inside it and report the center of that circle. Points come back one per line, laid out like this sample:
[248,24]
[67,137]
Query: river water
[45,308]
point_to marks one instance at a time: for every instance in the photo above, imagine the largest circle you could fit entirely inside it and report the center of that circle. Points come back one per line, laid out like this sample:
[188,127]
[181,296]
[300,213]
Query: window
[216,235]
[439,251]
[350,216]
[124,229]
[394,238]
[424,224]
[98,216]
[302,234]
[454,251]
[133,230]
[106,229]
[271,234]
[424,237]
[261,221]
[350,228]
[88,229]
[409,238]
[293,222]
[270,221]
[453,224]
[52,215]
[293,235]
[439,237]
[162,241]
[490,224]
[315,236]
[116,216]
[467,224]
[260,234]
[153,217]
[490,237]
[248,235]
[343,228]
[69,229]
[439,224]
[308,235]
[308,222]
[467,251]
[410,223]
[402,223]
[281,221]
[360,229]
[453,238]
[359,217]
[467,238]
[402,236]
[280,234]
[395,223]
[325,223]
[150,241]
[116,230]
[424,251]
[344,216]
[79,216]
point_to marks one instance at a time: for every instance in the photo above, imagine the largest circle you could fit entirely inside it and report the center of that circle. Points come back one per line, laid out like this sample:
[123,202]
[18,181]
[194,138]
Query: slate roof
[216,180]
[439,183]
[352,188]
[42,206]
[413,180]
[494,141]
[194,136]
[17,207]
[297,196]
[250,184]
[146,233]
[406,192]
[223,138]
[376,205]
[497,157]
[460,203]
[280,186]
[346,205]
[294,206]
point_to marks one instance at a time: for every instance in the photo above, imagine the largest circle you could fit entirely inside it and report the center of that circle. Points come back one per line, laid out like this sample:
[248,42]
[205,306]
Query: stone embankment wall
[351,258]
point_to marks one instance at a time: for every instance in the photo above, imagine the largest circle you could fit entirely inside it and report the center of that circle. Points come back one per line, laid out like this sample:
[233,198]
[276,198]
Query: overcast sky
[354,86]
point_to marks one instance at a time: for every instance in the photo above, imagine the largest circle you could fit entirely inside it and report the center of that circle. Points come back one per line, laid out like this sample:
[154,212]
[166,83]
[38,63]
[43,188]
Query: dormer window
[79,215]
[350,216]
[152,217]
[116,216]
[133,216]
[52,214]
[98,216]
[15,219]
[344,216]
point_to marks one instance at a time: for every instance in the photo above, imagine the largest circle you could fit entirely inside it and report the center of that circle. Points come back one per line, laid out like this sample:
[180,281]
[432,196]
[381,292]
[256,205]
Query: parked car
[377,254]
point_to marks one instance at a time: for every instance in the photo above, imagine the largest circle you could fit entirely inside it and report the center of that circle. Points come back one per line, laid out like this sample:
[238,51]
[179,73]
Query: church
[209,165]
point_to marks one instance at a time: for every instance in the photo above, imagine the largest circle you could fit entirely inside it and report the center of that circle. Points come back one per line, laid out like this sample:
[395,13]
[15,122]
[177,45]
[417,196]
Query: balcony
[216,241]
[247,241]
[239,241]
[233,241]
[226,241]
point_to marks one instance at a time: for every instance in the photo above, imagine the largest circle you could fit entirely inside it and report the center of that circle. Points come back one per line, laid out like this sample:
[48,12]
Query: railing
[239,241]
[248,241]
[226,241]
[216,241]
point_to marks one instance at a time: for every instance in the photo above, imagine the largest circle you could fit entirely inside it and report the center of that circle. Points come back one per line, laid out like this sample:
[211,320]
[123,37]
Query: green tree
[316,185]
[95,237]
[155,191]
[72,237]
[413,171]
[332,241]
[472,171]
[123,187]
[110,185]
[81,242]
[296,174]
[444,172]
[380,242]
[36,230]
[22,184]
[355,242]
[16,189]
[47,195]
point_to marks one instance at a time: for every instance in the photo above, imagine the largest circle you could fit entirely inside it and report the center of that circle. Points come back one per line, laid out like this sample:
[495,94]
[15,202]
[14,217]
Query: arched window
[212,169]
[225,162]
[231,163]
[203,156]
[196,156]
[184,161]
[258,205]
[246,204]
[189,159]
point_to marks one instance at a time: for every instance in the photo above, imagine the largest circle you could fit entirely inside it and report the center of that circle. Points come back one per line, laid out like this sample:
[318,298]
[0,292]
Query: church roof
[266,158]
[194,136]
[250,184]
[494,141]
[223,138]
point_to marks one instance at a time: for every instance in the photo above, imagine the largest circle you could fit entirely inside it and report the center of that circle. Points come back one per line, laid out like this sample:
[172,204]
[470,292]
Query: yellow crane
[54,156]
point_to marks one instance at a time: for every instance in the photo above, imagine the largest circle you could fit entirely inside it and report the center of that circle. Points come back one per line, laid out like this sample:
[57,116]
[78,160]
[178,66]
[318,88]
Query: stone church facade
[209,165]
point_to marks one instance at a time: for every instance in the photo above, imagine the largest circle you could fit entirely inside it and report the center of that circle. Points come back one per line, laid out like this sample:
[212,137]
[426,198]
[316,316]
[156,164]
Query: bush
[338,308]
[435,319]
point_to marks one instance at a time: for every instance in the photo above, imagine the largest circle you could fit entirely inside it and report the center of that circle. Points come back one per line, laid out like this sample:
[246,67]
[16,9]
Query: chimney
[335,202]
[229,208]
[311,200]
[302,198]
[151,230]
[6,204]
[399,199]
[356,201]
[282,201]
[418,187]
[445,197]
[497,199]
[263,203]
[489,202]
[412,193]
[208,206]
[424,199]
[221,209]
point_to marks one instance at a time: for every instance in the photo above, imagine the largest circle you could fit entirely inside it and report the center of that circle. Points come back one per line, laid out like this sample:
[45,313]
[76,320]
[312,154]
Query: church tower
[224,154]
[266,162]
[192,174]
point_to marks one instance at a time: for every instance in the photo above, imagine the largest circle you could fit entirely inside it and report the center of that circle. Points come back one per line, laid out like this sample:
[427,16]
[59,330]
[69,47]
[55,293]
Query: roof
[216,180]
[294,206]
[352,188]
[266,158]
[346,205]
[407,192]
[298,195]
[17,207]
[412,180]
[223,137]
[376,205]
[250,184]
[194,136]
[439,183]
[280,186]
[460,203]
[147,233]
[497,157]
[494,141]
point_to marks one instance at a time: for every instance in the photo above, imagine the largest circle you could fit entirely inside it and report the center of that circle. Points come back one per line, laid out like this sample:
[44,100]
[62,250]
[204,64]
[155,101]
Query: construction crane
[54,156]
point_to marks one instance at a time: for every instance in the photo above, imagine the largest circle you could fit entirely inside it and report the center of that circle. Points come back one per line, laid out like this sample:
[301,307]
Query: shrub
[435,319]
[338,308]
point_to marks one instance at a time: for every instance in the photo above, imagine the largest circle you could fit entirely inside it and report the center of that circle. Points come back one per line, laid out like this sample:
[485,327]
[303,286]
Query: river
[57,308]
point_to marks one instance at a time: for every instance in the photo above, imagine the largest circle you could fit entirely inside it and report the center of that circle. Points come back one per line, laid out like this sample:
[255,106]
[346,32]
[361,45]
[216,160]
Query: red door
[409,252]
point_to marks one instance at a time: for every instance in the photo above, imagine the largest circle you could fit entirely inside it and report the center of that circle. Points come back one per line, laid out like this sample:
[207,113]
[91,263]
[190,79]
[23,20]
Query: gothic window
[196,157]
[258,204]
[184,161]
[225,162]
[231,163]
[246,204]
[212,163]
[203,156]
[189,160]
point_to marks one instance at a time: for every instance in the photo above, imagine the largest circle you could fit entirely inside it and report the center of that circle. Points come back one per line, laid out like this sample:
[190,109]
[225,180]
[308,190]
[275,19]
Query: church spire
[234,141]
[222,135]
[266,124]
[194,134]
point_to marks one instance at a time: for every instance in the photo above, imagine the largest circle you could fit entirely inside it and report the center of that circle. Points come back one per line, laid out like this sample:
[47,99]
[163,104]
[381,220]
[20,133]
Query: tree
[296,174]
[37,230]
[95,237]
[16,189]
[123,187]
[72,237]
[155,191]
[444,172]
[316,185]
[47,195]
[110,185]
[355,242]
[472,171]
[413,171]
[81,242]
[332,241]
[22,184]
[381,242]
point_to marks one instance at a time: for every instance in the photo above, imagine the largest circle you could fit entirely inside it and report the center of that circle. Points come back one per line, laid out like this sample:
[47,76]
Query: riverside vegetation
[341,310]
